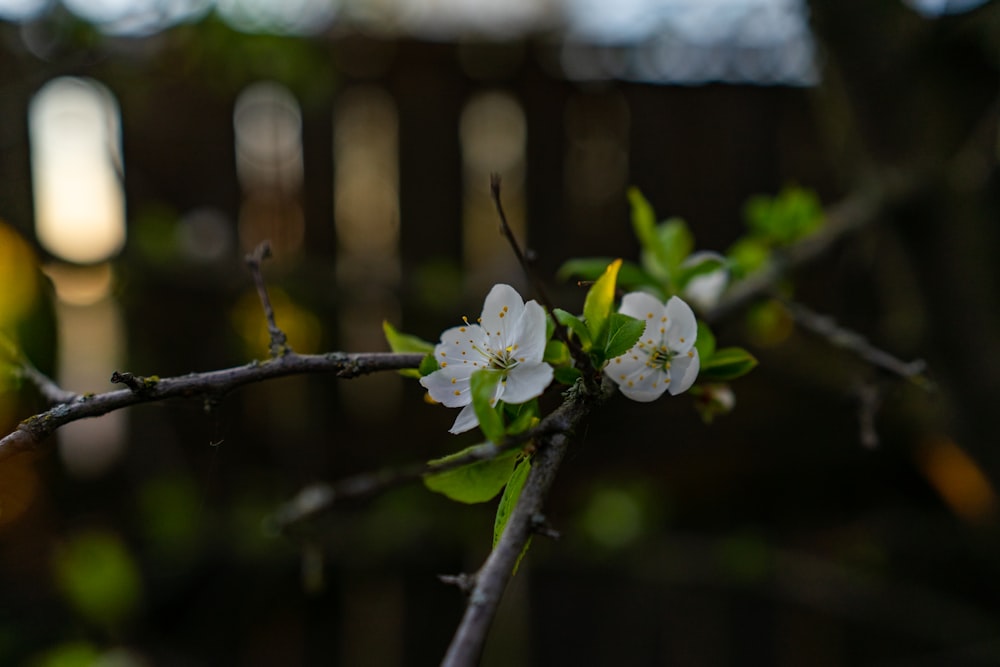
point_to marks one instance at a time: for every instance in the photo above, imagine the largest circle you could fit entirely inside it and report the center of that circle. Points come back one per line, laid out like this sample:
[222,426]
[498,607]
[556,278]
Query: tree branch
[492,578]
[72,407]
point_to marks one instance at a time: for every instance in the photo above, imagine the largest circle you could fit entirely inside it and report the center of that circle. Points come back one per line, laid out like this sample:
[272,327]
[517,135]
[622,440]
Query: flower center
[660,357]
[503,359]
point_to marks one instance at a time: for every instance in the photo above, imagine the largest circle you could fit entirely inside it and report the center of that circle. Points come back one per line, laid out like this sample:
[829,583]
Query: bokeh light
[76,166]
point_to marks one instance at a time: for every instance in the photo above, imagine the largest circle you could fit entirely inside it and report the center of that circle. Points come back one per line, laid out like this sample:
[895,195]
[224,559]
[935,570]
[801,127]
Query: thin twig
[279,341]
[47,387]
[529,270]
[838,336]
[318,498]
[32,431]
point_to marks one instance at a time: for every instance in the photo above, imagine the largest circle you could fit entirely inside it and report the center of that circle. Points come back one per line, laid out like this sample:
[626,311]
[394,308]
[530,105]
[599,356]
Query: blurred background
[146,145]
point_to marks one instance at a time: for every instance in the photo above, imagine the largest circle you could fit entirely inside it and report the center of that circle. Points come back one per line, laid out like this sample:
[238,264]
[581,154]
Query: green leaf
[568,375]
[556,353]
[575,325]
[511,494]
[483,387]
[705,342]
[401,342]
[622,333]
[523,416]
[600,300]
[726,364]
[791,215]
[644,226]
[474,483]
[428,365]
[676,243]
[748,255]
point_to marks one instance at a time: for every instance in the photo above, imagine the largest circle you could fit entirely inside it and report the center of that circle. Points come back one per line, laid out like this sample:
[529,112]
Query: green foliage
[483,387]
[508,501]
[705,343]
[403,343]
[748,255]
[620,334]
[600,299]
[556,353]
[726,364]
[575,326]
[473,483]
[510,496]
[791,215]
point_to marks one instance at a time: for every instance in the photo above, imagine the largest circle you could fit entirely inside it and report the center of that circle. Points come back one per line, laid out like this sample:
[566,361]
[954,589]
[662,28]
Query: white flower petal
[645,384]
[528,334]
[525,382]
[705,290]
[619,368]
[682,327]
[501,311]
[683,371]
[465,421]
[645,307]
[449,386]
[462,345]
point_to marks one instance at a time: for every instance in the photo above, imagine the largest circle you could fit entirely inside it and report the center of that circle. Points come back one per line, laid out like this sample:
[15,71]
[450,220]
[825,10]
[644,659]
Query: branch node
[465,582]
[137,383]
[540,526]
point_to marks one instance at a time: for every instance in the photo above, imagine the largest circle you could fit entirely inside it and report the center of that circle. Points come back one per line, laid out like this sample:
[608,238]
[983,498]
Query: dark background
[772,536]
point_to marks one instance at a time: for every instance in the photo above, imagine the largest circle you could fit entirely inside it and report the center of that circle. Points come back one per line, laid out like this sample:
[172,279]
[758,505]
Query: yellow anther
[457,392]
[454,380]
[681,340]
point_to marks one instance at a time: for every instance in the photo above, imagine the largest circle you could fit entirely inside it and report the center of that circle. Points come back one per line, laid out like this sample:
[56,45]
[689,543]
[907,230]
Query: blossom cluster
[509,338]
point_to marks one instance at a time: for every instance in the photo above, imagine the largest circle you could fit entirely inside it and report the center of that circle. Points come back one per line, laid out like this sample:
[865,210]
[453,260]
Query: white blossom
[664,358]
[705,290]
[509,339]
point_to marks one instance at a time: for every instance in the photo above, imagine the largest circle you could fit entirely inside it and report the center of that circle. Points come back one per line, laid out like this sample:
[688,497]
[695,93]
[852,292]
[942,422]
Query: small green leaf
[556,353]
[600,300]
[676,242]
[622,333]
[644,226]
[428,365]
[568,375]
[726,364]
[400,342]
[523,416]
[748,255]
[789,216]
[575,325]
[483,387]
[705,342]
[474,483]
[511,494]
